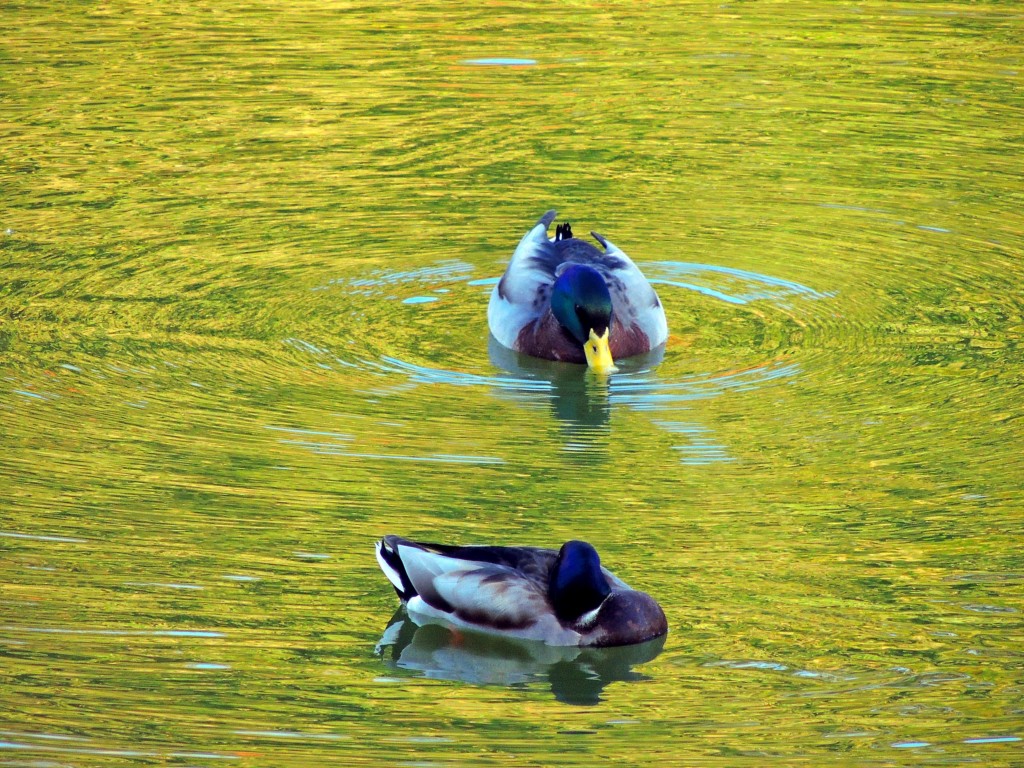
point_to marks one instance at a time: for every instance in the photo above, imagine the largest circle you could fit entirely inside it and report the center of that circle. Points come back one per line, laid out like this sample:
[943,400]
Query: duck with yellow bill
[563,299]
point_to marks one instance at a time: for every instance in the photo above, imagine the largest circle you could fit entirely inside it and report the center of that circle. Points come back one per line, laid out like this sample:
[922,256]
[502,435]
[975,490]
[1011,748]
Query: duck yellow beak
[599,355]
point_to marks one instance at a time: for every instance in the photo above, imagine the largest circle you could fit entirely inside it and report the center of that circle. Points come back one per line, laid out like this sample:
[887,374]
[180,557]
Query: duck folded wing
[488,594]
[634,300]
[524,291]
[533,264]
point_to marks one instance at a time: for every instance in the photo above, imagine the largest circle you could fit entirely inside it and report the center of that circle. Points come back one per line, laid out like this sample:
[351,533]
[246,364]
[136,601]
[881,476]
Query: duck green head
[582,304]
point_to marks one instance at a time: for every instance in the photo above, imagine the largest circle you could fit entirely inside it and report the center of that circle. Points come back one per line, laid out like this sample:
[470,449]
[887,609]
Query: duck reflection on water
[576,675]
[579,400]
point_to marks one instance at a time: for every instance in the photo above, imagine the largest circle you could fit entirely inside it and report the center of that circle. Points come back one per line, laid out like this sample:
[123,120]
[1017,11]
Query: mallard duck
[560,598]
[563,299]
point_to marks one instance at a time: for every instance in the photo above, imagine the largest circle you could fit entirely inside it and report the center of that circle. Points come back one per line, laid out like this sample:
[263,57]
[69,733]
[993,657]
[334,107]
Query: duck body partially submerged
[563,299]
[562,597]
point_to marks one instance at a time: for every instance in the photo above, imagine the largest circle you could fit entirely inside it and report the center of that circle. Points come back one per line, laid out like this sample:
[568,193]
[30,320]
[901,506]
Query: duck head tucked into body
[563,299]
[560,598]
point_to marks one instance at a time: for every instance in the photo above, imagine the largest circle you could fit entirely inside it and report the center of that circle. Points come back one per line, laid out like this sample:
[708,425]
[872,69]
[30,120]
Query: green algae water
[245,256]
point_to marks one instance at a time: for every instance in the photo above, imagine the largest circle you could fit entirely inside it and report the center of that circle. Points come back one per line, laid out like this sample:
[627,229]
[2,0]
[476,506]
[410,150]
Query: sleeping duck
[560,598]
[563,299]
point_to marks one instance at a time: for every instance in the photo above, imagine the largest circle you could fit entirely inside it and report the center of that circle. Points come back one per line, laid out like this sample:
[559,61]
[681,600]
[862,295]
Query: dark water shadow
[579,399]
[576,675]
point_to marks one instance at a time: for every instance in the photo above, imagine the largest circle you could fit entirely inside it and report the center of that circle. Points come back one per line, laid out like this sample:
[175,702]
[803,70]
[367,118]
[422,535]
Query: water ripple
[268,734]
[42,537]
[500,62]
[735,286]
[115,632]
[655,383]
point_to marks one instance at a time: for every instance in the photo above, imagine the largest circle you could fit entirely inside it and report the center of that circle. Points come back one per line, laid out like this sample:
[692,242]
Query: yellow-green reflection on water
[246,252]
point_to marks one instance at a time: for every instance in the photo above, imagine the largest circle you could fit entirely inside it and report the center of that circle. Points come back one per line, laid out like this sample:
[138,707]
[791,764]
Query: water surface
[246,256]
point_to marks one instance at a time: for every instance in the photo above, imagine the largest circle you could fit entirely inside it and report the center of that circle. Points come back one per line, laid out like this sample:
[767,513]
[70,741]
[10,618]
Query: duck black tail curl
[394,568]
